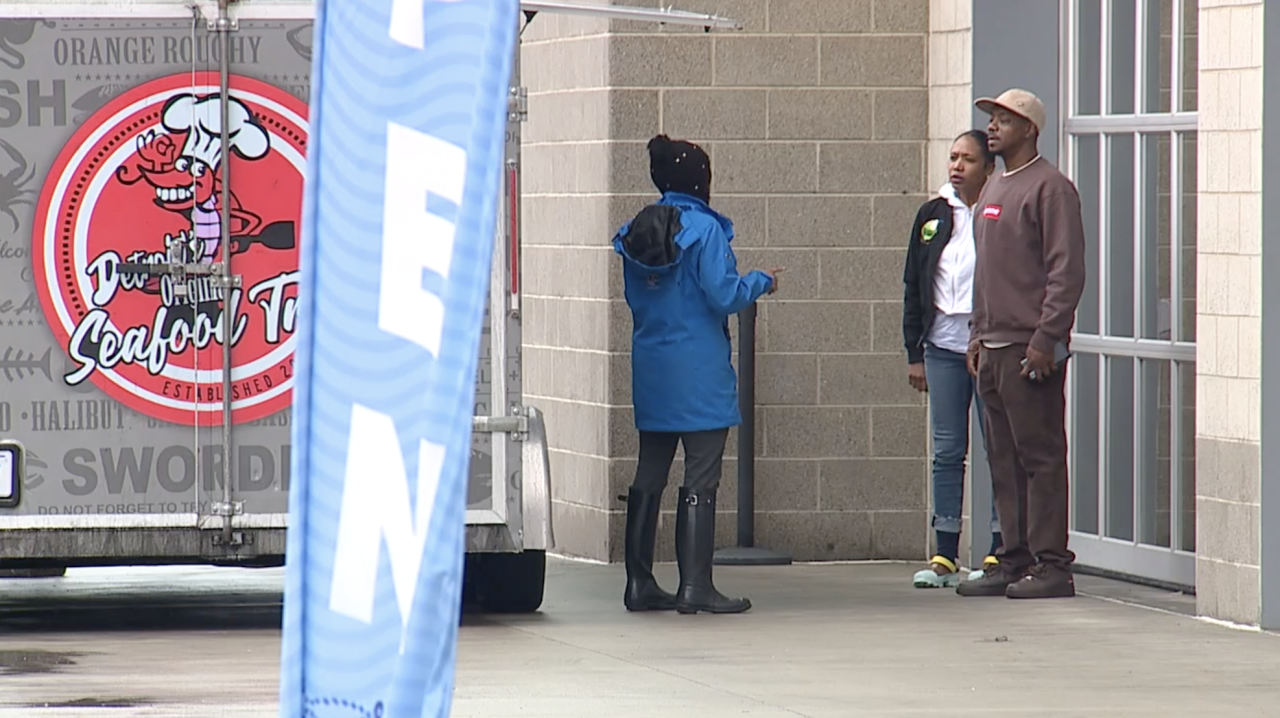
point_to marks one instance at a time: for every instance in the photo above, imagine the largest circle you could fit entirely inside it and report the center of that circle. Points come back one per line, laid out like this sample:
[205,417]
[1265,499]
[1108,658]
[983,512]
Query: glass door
[1130,147]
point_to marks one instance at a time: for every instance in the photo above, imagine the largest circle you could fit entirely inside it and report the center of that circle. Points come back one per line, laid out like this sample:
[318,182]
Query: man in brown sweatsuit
[1028,280]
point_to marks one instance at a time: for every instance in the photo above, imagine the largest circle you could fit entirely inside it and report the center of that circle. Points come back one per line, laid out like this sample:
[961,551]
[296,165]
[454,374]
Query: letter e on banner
[407,22]
[376,506]
[414,240]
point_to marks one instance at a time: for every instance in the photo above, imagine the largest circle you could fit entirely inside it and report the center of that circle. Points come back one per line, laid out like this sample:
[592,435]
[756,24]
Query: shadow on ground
[143,599]
[212,598]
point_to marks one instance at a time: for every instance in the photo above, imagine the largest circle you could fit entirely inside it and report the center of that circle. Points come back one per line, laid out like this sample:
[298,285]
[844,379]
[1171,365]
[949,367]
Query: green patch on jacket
[929,231]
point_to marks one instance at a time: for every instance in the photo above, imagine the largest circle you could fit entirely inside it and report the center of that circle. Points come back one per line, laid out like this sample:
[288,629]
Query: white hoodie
[953,280]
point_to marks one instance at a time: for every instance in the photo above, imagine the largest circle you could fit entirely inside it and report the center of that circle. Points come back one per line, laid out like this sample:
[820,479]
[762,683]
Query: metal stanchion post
[746,553]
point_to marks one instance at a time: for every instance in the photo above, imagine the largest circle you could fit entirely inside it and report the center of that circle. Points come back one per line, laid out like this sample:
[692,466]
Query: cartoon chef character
[191,182]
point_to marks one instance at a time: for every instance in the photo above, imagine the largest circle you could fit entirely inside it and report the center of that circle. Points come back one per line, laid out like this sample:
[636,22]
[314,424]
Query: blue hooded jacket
[682,284]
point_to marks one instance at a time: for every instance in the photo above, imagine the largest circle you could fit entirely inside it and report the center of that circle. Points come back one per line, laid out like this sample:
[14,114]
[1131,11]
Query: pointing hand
[773,275]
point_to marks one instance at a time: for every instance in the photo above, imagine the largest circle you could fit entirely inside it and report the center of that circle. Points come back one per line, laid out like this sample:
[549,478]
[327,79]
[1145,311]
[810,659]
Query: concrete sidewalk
[828,641]
[823,641]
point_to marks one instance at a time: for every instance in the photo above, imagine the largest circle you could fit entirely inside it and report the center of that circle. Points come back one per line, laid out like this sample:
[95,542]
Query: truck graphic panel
[110,159]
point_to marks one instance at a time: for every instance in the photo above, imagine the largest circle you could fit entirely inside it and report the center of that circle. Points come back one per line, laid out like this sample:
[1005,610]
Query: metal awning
[667,15]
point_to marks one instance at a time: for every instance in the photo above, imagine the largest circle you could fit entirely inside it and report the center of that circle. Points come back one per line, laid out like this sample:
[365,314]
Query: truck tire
[54,572]
[510,582]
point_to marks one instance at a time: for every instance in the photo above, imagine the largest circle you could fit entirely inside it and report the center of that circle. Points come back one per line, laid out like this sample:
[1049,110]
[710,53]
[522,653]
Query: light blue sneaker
[930,578]
[988,562]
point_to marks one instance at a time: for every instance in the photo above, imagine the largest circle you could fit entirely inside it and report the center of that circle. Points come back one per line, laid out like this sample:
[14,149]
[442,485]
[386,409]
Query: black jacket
[922,262]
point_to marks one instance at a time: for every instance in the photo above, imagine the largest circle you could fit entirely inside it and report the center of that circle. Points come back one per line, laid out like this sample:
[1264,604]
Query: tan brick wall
[950,81]
[950,113]
[817,120]
[568,332]
[1229,326]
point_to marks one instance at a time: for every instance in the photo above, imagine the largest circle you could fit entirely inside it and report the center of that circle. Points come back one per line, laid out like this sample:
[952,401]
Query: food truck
[147,327]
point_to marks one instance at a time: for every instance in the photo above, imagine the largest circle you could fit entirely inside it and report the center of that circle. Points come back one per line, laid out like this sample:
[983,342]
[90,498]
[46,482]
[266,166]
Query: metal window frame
[1169,564]
[1269,474]
[1128,124]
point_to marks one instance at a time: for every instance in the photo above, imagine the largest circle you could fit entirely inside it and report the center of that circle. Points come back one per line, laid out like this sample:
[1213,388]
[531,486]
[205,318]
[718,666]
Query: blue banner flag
[408,115]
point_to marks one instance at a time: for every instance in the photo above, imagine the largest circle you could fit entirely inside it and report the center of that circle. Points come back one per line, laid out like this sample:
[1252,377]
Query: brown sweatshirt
[1030,271]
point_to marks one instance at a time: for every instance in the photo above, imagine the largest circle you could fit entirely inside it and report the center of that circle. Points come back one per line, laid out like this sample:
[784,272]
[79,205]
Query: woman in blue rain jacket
[682,285]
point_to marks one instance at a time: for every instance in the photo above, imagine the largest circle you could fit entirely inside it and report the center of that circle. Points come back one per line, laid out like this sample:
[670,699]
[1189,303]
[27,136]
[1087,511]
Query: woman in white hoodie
[937,303]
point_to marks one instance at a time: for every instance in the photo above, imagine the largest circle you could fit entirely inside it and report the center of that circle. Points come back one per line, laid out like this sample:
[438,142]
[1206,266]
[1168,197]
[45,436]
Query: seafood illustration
[93,100]
[20,364]
[14,189]
[185,176]
[300,45]
[17,32]
[35,470]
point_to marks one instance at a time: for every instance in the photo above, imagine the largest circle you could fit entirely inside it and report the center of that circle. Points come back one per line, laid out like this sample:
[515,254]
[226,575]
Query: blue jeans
[951,391]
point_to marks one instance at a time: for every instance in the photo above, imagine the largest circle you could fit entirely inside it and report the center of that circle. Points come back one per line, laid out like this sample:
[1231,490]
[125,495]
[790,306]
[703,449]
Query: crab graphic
[181,164]
[17,32]
[13,184]
[181,161]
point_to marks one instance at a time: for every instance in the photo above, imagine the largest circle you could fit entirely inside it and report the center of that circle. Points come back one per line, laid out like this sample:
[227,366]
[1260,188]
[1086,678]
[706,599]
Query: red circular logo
[137,193]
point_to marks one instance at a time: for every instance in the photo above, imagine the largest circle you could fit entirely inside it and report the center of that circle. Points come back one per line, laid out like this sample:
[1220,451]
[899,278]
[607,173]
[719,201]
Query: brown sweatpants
[1027,452]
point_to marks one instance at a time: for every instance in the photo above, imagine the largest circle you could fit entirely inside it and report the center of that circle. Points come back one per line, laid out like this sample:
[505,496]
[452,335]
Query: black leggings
[703,459]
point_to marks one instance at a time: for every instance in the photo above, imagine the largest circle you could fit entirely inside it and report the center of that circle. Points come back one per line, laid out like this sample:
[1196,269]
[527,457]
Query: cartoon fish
[94,100]
[299,45]
[35,470]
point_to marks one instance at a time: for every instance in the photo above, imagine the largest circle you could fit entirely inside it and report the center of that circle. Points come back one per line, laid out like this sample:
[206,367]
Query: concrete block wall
[572,337]
[1228,348]
[950,109]
[950,81]
[816,117]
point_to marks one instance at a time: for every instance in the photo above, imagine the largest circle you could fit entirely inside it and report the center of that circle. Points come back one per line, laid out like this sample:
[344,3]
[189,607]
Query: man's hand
[971,359]
[773,275]
[1038,365]
[915,375]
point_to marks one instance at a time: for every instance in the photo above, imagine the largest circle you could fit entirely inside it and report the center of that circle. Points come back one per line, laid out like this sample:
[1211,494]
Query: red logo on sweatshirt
[991,211]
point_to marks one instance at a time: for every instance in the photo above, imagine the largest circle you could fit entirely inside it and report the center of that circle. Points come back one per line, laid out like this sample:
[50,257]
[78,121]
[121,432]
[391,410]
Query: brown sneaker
[1044,581]
[993,582]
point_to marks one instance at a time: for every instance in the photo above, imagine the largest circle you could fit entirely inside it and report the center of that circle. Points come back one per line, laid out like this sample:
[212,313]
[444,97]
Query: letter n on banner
[407,124]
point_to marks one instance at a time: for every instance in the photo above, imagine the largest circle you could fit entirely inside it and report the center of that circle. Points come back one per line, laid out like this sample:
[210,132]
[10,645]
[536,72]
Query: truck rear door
[116,323]
[244,154]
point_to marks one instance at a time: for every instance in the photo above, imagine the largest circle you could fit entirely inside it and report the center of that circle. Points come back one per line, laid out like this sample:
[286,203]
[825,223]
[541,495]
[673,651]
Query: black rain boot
[695,547]
[643,592]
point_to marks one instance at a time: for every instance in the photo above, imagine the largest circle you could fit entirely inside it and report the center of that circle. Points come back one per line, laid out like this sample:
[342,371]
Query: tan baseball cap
[1019,102]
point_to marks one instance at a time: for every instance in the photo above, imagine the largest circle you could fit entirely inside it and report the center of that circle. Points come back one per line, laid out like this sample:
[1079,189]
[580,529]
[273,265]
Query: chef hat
[201,119]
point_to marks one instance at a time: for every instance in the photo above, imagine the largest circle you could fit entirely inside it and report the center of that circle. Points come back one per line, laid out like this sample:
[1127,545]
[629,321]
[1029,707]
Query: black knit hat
[679,166]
